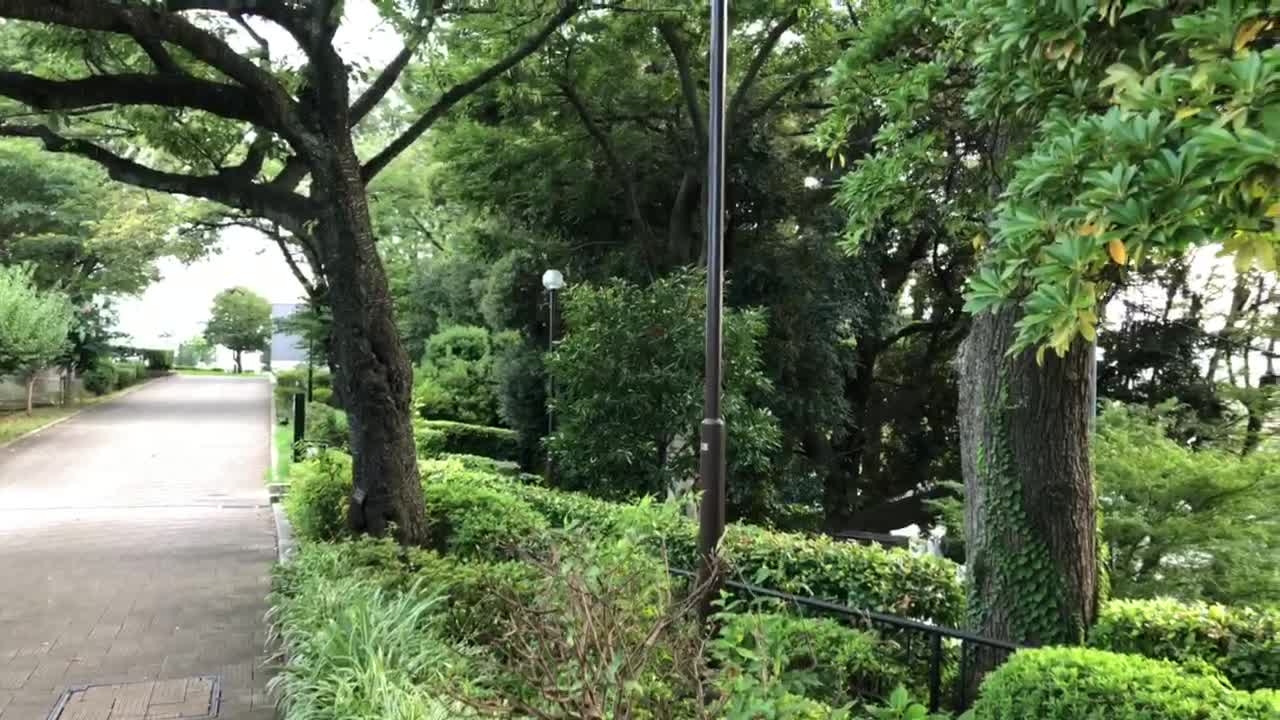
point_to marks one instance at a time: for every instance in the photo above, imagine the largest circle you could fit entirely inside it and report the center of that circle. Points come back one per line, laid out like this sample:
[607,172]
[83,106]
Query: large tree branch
[386,80]
[757,64]
[614,162]
[458,92]
[286,208]
[174,91]
[789,87]
[680,53]
[110,17]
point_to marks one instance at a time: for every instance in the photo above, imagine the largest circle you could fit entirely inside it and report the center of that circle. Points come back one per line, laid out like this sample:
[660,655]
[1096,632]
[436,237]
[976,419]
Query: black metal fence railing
[954,656]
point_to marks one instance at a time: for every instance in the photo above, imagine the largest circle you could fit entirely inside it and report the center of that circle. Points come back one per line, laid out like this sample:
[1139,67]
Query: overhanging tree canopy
[250,105]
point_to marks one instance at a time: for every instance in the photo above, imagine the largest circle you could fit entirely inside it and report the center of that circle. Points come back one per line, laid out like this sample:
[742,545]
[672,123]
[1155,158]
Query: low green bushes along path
[536,602]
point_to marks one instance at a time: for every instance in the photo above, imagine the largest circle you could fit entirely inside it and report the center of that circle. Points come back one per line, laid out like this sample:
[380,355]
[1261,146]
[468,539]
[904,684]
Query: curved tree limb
[286,208]
[612,160]
[680,53]
[106,16]
[174,91]
[458,92]
[757,64]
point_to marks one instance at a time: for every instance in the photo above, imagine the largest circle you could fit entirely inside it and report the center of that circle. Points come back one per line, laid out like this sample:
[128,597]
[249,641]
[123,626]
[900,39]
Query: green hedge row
[1087,684]
[435,437]
[477,513]
[1242,643]
[866,577]
[860,576]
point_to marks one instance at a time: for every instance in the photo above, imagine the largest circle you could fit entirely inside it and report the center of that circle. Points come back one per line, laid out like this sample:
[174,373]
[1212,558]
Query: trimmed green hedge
[443,436]
[1087,684]
[1242,643]
[479,521]
[864,577]
[100,379]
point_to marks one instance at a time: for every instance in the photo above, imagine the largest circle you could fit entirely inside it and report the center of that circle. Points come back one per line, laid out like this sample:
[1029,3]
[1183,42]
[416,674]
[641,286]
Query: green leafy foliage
[194,352]
[628,389]
[100,379]
[33,324]
[1079,684]
[240,320]
[816,658]
[455,380]
[159,359]
[1158,136]
[435,436]
[357,651]
[318,493]
[1242,643]
[1193,524]
[327,427]
[471,521]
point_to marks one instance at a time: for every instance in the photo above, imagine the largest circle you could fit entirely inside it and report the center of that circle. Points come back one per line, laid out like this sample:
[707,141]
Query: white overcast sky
[176,307]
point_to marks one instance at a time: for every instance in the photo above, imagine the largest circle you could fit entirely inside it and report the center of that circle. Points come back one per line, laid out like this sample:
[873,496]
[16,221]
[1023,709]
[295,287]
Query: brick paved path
[136,545]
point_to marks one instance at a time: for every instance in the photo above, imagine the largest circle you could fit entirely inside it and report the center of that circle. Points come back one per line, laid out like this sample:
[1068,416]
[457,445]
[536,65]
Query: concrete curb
[285,544]
[64,418]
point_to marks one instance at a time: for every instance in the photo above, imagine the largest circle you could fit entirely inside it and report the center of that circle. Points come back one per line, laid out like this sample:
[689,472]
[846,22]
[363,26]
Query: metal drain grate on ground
[185,698]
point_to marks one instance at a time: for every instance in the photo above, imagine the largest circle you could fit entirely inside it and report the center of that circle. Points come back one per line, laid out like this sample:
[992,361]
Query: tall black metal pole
[551,383]
[712,464]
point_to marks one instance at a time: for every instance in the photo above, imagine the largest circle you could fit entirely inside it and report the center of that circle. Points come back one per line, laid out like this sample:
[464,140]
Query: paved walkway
[136,546]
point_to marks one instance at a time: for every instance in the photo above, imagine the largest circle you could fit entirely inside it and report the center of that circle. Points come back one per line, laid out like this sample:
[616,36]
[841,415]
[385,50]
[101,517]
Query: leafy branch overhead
[1170,141]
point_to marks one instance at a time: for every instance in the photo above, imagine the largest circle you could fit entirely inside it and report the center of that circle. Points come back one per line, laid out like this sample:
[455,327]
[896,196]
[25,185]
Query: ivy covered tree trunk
[1030,516]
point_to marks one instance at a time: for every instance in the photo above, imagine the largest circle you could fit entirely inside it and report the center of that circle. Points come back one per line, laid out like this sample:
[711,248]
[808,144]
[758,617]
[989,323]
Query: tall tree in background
[33,326]
[1157,133]
[240,321]
[230,118]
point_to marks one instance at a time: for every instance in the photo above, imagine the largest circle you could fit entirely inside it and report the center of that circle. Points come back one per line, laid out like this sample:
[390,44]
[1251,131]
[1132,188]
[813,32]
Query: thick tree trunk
[373,376]
[235,359]
[1030,517]
[31,390]
[840,486]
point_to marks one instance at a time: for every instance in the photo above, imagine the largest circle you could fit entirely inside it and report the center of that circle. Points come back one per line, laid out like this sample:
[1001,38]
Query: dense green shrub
[1243,643]
[1084,684]
[865,577]
[479,521]
[628,391]
[493,442]
[816,657]
[327,426]
[455,380]
[319,488]
[158,359]
[522,394]
[126,375]
[100,379]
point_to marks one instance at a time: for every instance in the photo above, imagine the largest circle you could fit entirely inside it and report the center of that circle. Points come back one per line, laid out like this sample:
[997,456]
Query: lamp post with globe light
[553,281]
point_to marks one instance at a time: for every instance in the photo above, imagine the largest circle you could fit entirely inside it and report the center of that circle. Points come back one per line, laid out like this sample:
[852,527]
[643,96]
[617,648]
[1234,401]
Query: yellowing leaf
[1186,112]
[1274,210]
[1090,229]
[979,241]
[1116,250]
[1249,32]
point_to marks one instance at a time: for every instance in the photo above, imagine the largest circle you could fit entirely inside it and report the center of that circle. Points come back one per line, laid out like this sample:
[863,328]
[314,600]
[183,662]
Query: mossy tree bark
[1030,519]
